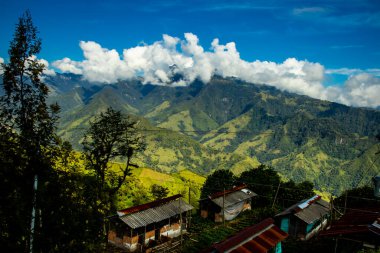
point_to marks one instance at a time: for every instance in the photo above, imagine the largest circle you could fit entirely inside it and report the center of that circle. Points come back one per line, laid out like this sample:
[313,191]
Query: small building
[304,219]
[226,204]
[356,229]
[262,237]
[146,225]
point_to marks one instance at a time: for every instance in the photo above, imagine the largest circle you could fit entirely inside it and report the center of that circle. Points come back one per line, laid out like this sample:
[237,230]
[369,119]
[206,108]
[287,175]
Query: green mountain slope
[231,124]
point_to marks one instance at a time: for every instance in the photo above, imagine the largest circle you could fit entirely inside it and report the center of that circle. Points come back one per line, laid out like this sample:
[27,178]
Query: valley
[231,124]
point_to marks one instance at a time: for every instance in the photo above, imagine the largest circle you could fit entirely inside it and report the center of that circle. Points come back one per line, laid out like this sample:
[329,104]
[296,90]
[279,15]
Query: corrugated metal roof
[313,212]
[233,189]
[156,214]
[234,197]
[145,206]
[356,222]
[257,238]
[313,209]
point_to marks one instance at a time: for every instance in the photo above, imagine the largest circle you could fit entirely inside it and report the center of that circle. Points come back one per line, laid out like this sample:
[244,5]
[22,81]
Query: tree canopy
[219,180]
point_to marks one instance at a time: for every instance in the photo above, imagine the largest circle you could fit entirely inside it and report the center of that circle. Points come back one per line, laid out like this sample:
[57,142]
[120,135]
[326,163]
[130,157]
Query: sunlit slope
[235,125]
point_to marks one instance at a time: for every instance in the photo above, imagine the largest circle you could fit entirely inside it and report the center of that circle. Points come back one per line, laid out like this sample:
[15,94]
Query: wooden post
[336,245]
[345,203]
[180,224]
[331,208]
[224,197]
[275,196]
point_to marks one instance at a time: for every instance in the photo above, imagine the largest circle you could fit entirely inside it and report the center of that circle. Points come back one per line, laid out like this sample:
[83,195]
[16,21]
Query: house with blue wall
[304,219]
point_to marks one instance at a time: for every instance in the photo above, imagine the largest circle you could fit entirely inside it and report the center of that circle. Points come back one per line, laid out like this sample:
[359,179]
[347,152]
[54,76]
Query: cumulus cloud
[68,66]
[359,90]
[46,71]
[163,61]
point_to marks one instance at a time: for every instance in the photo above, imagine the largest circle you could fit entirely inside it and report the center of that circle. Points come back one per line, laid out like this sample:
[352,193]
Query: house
[356,229]
[304,219]
[149,224]
[261,238]
[226,204]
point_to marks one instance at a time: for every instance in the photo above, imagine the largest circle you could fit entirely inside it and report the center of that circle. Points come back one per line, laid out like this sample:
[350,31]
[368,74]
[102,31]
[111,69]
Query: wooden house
[356,229]
[226,204]
[304,219]
[146,225]
[262,237]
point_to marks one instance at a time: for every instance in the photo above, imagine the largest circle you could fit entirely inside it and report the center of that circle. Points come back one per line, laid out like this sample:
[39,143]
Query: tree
[158,191]
[28,123]
[218,181]
[291,193]
[24,102]
[111,137]
[262,180]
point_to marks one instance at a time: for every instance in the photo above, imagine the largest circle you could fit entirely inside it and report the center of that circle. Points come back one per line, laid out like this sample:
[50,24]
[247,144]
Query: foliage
[27,130]
[291,193]
[262,180]
[158,191]
[24,102]
[111,136]
[31,154]
[361,197]
[219,180]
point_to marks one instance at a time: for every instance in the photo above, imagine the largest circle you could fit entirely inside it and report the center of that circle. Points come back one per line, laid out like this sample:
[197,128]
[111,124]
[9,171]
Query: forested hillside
[234,125]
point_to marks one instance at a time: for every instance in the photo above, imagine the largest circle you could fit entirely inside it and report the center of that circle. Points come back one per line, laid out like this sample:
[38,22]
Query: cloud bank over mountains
[178,62]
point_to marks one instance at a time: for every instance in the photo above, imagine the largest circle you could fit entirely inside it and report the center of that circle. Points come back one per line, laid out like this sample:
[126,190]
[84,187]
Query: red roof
[257,238]
[152,204]
[355,222]
[234,189]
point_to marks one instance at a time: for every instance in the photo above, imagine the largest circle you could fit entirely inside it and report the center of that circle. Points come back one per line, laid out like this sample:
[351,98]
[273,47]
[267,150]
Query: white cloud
[158,62]
[360,90]
[68,66]
[349,72]
[46,71]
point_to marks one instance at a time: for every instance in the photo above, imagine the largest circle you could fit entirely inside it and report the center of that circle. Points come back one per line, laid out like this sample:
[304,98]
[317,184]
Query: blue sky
[341,35]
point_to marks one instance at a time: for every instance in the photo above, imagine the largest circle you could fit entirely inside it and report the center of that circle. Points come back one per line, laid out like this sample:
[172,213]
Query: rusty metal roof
[356,222]
[155,203]
[257,238]
[309,211]
[233,189]
[155,214]
[234,197]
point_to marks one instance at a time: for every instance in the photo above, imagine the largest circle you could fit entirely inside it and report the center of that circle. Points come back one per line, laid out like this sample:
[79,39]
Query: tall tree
[111,137]
[263,180]
[218,181]
[24,110]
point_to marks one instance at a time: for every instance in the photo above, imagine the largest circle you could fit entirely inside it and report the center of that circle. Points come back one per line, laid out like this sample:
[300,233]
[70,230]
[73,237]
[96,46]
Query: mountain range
[231,124]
